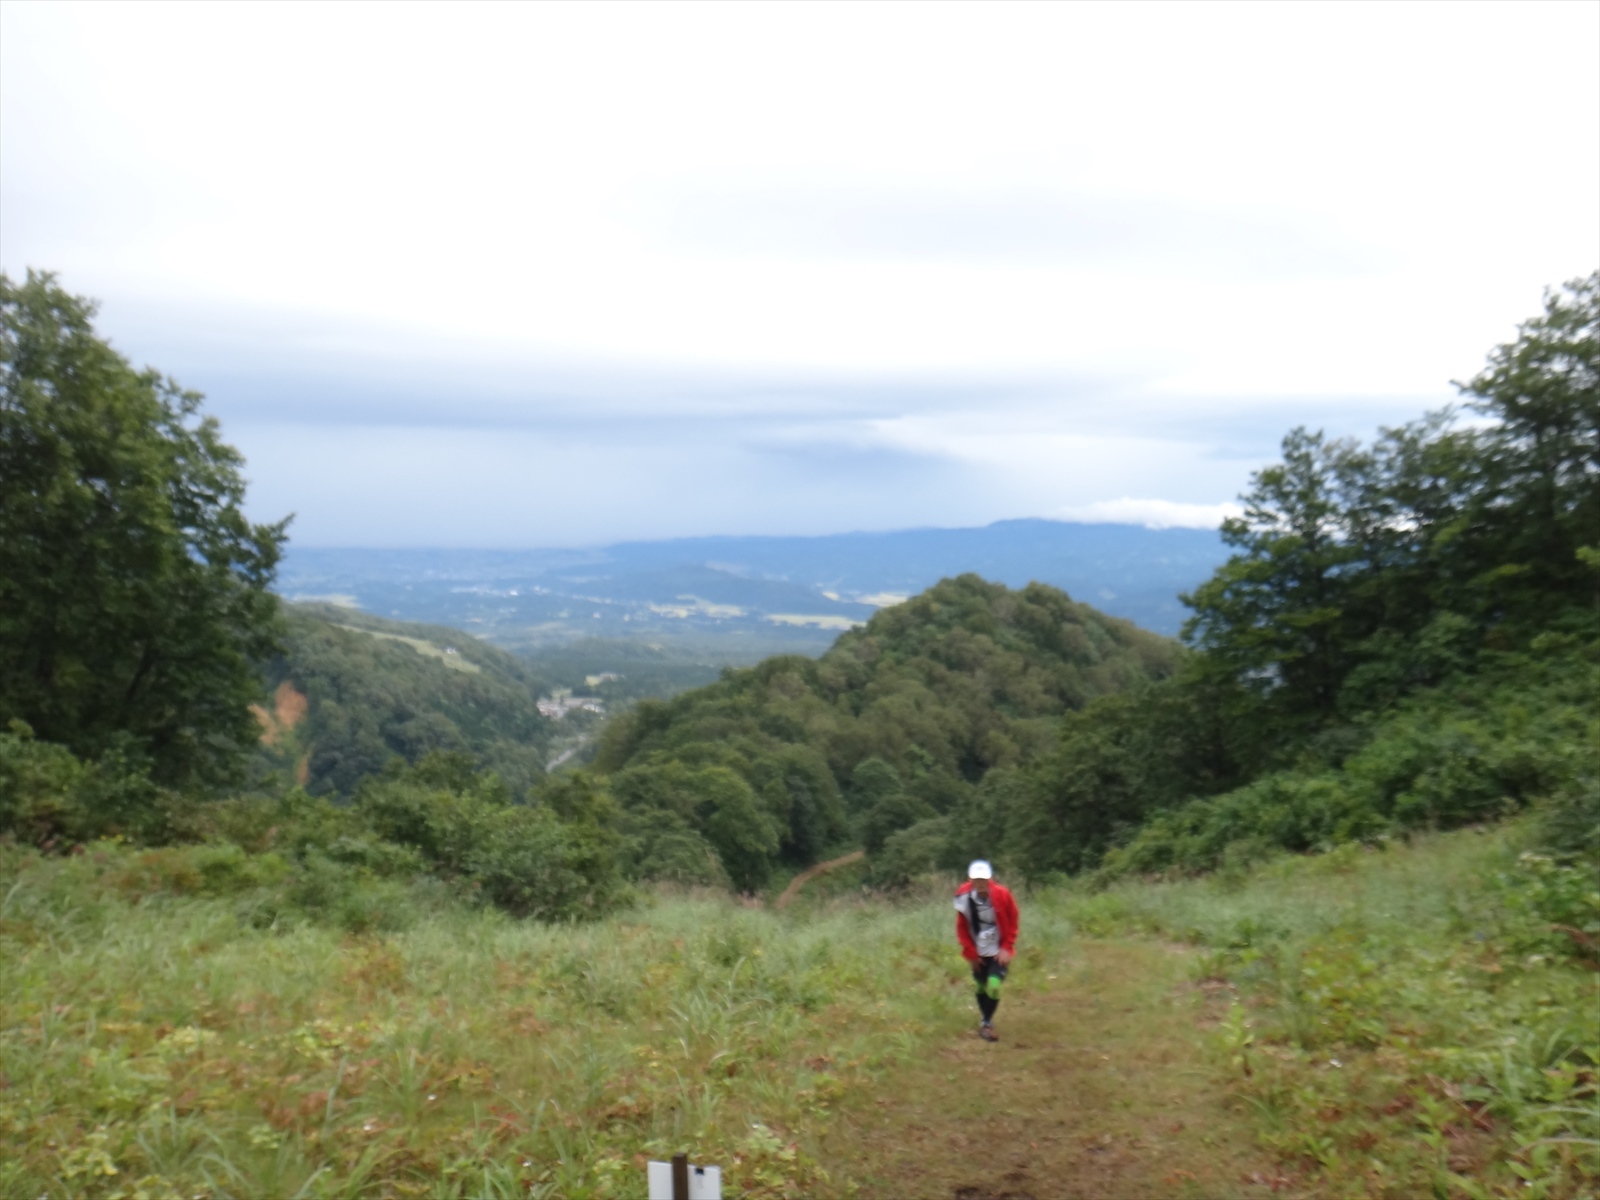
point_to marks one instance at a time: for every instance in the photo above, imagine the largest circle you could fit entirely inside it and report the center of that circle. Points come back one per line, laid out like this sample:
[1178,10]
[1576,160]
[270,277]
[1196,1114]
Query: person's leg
[991,988]
[981,974]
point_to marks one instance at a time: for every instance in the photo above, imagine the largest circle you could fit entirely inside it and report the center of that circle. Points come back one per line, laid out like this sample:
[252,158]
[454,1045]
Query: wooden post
[680,1177]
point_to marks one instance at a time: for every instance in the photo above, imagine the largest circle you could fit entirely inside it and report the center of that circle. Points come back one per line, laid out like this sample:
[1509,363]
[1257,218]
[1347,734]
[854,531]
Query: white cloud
[1153,514]
[846,231]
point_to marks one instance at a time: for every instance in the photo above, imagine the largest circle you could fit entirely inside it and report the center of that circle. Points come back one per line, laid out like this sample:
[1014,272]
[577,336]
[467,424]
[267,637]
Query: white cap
[980,869]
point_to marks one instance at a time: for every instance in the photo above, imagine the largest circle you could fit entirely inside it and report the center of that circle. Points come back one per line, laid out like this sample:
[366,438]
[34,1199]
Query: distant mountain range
[738,599]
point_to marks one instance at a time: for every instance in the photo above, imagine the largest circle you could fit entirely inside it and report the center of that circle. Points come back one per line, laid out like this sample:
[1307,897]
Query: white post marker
[677,1180]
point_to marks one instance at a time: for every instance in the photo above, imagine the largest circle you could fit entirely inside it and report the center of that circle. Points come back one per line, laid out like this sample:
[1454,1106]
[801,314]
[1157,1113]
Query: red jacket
[1005,916]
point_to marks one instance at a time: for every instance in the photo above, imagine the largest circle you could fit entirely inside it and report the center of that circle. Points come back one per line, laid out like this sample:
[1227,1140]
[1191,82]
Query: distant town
[561,701]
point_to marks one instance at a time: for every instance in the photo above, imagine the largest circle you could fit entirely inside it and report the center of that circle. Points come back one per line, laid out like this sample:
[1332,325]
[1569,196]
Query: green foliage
[1406,637]
[1363,573]
[1572,817]
[881,804]
[1537,499]
[891,726]
[440,825]
[888,817]
[1521,732]
[164,1026]
[525,860]
[1401,1022]
[371,696]
[742,830]
[133,592]
[1276,615]
[871,783]
[1560,904]
[51,799]
[913,852]
[1277,812]
[1150,748]
[710,804]
[663,846]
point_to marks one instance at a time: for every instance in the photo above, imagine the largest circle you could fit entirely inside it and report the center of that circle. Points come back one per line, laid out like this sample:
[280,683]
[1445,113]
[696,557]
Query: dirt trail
[810,873]
[1099,1087]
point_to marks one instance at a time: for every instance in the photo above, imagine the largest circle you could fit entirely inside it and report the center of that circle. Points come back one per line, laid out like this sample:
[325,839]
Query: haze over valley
[734,600]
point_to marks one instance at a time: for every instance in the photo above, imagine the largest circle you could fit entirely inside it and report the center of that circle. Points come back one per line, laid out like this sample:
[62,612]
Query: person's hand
[1005,957]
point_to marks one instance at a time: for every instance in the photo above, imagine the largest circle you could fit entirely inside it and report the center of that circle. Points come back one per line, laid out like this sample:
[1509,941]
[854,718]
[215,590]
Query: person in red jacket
[986,926]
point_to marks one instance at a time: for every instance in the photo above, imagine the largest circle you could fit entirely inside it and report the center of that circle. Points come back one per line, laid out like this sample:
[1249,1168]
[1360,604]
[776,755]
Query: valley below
[733,600]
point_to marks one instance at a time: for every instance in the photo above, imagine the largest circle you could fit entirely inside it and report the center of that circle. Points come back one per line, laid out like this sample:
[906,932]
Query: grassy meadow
[1391,1022]
[1400,1022]
[161,1045]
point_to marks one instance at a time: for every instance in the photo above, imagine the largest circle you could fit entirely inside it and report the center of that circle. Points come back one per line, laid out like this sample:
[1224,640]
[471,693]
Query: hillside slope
[354,691]
[1390,1024]
[895,723]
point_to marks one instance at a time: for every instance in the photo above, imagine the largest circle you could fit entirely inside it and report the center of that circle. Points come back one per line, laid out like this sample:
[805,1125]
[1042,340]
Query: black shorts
[985,968]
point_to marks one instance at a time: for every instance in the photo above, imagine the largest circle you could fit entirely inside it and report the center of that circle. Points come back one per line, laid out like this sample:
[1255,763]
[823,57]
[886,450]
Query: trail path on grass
[810,873]
[1099,1087]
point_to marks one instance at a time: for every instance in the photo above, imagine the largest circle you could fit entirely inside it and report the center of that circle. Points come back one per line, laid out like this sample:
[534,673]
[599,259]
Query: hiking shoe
[987,1033]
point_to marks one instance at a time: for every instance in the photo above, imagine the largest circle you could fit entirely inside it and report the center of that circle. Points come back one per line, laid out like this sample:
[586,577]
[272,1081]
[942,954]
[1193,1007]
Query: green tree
[800,791]
[134,607]
[889,815]
[1363,577]
[1537,499]
[872,782]
[1276,615]
[1362,573]
[532,861]
[738,825]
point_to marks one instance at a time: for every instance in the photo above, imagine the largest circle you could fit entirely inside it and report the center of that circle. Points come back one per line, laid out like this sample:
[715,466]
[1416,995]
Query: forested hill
[894,724]
[352,691]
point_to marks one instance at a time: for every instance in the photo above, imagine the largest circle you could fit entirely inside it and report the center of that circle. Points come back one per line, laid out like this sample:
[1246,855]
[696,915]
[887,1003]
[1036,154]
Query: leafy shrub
[661,846]
[530,864]
[912,852]
[523,859]
[889,816]
[714,801]
[337,894]
[51,799]
[1561,904]
[205,870]
[1571,821]
[1287,811]
[270,891]
[1520,734]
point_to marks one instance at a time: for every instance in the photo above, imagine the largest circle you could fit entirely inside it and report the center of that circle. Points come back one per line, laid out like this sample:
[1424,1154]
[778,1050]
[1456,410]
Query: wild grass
[1395,1023]
[1404,1021]
[159,1045]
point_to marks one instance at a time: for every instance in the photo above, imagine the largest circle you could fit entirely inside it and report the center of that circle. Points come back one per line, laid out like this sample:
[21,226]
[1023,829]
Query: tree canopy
[358,691]
[134,602]
[1407,632]
[1364,571]
[895,724]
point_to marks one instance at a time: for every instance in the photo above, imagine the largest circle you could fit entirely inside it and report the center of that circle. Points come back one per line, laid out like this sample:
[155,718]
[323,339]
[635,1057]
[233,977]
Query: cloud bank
[1152,514]
[563,274]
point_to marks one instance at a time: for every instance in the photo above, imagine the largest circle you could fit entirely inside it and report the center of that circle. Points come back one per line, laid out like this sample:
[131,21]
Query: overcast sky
[538,275]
